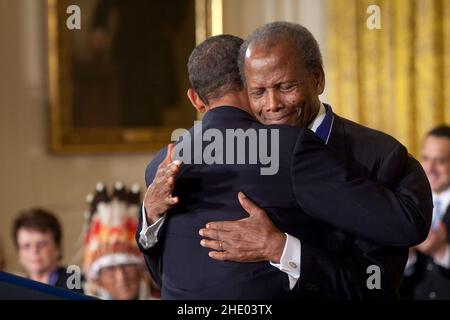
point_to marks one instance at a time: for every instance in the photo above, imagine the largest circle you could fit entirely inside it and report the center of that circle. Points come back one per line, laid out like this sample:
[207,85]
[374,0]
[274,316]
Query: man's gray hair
[272,34]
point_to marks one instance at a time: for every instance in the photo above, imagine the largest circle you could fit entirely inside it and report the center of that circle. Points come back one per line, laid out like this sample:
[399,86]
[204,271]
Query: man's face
[122,282]
[38,252]
[436,162]
[281,90]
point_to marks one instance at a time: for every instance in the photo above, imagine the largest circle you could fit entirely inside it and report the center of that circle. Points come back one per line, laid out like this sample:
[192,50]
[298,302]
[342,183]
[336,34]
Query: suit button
[432,295]
[312,287]
[430,267]
[292,264]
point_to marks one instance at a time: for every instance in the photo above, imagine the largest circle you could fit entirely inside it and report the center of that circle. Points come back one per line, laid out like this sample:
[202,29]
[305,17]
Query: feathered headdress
[110,225]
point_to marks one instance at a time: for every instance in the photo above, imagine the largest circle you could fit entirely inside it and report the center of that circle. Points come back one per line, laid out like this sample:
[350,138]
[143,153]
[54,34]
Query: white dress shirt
[291,257]
[444,199]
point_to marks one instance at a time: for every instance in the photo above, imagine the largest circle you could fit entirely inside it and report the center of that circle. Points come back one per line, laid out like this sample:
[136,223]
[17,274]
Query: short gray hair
[271,34]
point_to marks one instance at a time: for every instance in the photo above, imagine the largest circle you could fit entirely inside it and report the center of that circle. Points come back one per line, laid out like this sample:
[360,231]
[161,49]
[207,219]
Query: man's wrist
[152,216]
[276,250]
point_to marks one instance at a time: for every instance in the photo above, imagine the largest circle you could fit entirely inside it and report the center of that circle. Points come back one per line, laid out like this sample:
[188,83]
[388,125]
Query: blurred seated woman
[37,236]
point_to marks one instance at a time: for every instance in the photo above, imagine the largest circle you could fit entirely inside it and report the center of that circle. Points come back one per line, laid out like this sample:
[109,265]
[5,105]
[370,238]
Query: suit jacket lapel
[337,141]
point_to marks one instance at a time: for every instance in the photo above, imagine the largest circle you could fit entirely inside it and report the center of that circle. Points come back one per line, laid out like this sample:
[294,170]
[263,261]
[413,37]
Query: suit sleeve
[367,274]
[328,190]
[152,256]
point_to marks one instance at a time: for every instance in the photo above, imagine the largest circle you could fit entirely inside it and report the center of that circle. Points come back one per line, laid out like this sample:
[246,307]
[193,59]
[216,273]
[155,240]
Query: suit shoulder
[370,137]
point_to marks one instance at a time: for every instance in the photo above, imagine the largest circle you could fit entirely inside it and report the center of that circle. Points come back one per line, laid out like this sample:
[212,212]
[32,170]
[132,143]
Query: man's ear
[319,78]
[196,101]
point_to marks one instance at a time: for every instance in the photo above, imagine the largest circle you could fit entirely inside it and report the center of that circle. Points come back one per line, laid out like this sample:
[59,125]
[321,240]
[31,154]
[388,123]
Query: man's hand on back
[251,239]
[158,198]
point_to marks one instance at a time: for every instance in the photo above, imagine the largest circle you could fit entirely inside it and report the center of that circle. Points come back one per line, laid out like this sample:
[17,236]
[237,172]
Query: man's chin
[438,187]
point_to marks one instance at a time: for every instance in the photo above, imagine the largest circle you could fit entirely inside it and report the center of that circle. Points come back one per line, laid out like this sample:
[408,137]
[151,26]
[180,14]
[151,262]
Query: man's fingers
[214,234]
[171,201]
[172,169]
[170,182]
[163,175]
[165,171]
[222,255]
[168,158]
[170,150]
[224,225]
[213,244]
[161,170]
[248,205]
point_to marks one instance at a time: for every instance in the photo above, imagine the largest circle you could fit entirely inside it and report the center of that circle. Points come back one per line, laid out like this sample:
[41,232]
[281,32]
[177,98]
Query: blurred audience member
[37,235]
[112,262]
[427,273]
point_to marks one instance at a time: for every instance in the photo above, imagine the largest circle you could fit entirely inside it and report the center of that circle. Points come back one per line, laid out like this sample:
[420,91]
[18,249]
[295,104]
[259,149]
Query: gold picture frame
[79,90]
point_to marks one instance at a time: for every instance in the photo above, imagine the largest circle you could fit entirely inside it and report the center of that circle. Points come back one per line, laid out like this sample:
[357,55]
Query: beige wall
[30,175]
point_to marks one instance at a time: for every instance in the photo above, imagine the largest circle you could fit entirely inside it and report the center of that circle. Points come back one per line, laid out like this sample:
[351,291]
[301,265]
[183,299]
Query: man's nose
[120,274]
[273,101]
[430,168]
[35,248]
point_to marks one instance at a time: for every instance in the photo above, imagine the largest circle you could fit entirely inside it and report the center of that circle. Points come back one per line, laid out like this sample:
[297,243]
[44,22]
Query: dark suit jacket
[334,260]
[61,280]
[376,220]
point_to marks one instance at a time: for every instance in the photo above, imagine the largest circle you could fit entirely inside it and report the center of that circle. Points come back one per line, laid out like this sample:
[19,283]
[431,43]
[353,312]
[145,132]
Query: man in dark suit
[208,193]
[427,273]
[282,67]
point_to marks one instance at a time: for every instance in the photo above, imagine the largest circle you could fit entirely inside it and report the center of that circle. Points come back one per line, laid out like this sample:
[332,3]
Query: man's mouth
[278,118]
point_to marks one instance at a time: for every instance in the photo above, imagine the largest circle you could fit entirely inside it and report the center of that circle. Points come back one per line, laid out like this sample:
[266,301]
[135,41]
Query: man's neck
[237,100]
[43,276]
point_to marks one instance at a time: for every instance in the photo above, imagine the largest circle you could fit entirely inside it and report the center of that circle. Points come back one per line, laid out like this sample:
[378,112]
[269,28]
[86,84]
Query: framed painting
[118,81]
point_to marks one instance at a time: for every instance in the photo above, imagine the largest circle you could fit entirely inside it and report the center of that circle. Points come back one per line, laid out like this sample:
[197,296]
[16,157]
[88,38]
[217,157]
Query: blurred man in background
[37,235]
[427,273]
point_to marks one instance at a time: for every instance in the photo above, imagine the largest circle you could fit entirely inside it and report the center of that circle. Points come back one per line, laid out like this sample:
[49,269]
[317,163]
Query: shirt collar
[444,198]
[53,277]
[323,123]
